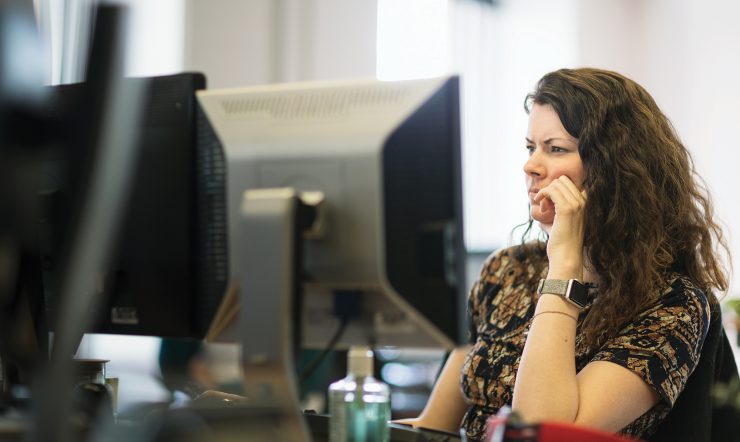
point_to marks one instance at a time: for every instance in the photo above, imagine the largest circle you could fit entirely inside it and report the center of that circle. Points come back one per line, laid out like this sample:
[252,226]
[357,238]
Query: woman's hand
[414,422]
[565,245]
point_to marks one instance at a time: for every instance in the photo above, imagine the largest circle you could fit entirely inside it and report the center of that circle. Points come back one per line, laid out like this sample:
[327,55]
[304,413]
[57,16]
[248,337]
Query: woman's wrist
[553,302]
[565,266]
[566,271]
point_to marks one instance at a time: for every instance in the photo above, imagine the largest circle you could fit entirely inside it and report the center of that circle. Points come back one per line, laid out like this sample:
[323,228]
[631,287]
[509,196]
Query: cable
[309,370]
[347,306]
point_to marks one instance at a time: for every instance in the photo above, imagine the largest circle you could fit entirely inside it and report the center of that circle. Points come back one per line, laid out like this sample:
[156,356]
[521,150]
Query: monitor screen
[168,269]
[386,158]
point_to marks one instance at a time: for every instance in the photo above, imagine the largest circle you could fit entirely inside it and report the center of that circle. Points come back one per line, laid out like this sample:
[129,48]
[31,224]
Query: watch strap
[570,289]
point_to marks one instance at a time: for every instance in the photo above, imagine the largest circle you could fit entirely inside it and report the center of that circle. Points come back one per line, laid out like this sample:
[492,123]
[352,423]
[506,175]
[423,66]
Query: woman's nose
[533,165]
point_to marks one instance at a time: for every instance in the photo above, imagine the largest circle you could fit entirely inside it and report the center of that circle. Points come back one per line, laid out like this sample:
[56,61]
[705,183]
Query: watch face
[577,293]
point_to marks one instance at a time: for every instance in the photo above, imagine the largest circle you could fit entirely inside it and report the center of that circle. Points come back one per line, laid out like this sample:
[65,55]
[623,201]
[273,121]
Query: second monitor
[168,271]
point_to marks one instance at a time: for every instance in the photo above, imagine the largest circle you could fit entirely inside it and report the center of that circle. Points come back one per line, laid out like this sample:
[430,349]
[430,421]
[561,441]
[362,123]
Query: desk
[223,425]
[227,424]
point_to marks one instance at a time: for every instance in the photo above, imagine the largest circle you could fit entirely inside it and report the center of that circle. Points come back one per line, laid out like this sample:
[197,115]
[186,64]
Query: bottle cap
[360,361]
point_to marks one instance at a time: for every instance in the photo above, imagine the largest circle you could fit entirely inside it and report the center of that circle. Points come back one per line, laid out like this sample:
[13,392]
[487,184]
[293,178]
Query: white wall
[244,42]
[229,40]
[156,37]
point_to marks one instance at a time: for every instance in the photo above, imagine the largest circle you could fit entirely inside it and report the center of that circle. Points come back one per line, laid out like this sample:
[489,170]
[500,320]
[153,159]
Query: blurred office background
[685,52]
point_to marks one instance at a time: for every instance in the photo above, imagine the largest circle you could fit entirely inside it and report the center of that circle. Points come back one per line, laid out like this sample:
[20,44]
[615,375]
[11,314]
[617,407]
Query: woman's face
[553,152]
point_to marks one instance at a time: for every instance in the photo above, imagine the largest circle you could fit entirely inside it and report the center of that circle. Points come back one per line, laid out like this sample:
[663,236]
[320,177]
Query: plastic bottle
[359,404]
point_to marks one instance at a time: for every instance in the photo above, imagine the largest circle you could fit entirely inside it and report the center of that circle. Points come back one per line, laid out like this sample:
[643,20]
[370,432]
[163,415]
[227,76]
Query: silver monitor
[386,157]
[383,260]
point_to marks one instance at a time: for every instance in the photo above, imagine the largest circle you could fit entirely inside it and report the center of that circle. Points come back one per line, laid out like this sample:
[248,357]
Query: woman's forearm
[546,387]
[446,405]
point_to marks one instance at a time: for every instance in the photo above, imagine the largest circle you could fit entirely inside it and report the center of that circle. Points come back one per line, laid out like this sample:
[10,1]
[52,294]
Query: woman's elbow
[543,411]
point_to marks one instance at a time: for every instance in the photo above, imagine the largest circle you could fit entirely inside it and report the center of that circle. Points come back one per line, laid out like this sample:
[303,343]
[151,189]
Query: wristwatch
[570,289]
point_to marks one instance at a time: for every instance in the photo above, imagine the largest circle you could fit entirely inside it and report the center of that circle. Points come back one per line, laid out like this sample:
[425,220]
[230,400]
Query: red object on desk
[555,432]
[499,430]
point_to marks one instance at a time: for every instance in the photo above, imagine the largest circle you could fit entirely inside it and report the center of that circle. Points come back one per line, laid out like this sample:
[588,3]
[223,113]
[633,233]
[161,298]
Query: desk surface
[12,428]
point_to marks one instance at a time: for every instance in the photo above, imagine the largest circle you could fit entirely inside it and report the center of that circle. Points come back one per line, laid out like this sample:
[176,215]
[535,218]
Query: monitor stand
[265,263]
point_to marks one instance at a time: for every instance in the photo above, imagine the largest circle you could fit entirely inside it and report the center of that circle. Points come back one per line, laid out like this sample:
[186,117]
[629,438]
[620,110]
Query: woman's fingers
[578,194]
[563,194]
[565,243]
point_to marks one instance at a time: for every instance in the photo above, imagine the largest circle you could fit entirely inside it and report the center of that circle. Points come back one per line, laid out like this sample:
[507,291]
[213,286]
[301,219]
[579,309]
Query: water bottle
[359,404]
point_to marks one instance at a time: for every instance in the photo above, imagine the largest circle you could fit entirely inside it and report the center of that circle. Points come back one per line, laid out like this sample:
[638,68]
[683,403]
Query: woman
[614,189]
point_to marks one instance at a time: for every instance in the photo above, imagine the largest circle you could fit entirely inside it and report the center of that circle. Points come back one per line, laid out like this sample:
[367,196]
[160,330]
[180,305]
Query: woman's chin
[545,219]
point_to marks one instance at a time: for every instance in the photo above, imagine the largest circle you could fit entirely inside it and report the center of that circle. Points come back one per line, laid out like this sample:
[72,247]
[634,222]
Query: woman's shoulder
[520,254]
[683,301]
[681,290]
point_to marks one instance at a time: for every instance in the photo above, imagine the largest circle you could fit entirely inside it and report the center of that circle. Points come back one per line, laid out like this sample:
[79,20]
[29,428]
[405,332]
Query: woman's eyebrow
[550,140]
[567,140]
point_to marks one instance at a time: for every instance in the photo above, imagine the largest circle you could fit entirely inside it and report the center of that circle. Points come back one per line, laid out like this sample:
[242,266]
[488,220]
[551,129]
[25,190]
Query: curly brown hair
[648,212]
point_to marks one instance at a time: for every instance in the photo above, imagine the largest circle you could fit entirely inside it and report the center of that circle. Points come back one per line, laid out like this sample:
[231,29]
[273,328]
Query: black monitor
[97,139]
[168,269]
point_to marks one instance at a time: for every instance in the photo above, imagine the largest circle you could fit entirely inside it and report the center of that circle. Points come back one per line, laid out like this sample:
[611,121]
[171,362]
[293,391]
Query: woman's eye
[557,149]
[530,149]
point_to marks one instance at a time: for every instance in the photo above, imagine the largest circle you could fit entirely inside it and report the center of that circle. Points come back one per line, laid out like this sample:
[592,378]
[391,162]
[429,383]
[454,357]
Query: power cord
[346,309]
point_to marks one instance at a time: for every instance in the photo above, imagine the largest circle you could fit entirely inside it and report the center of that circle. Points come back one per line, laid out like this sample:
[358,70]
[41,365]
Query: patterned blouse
[662,345]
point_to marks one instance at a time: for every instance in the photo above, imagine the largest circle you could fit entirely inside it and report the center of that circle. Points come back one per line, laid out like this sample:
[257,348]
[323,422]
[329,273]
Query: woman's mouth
[532,193]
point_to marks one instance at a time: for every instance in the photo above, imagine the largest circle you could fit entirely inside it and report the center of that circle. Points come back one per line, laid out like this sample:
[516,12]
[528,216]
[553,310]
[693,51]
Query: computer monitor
[386,157]
[168,270]
[379,163]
